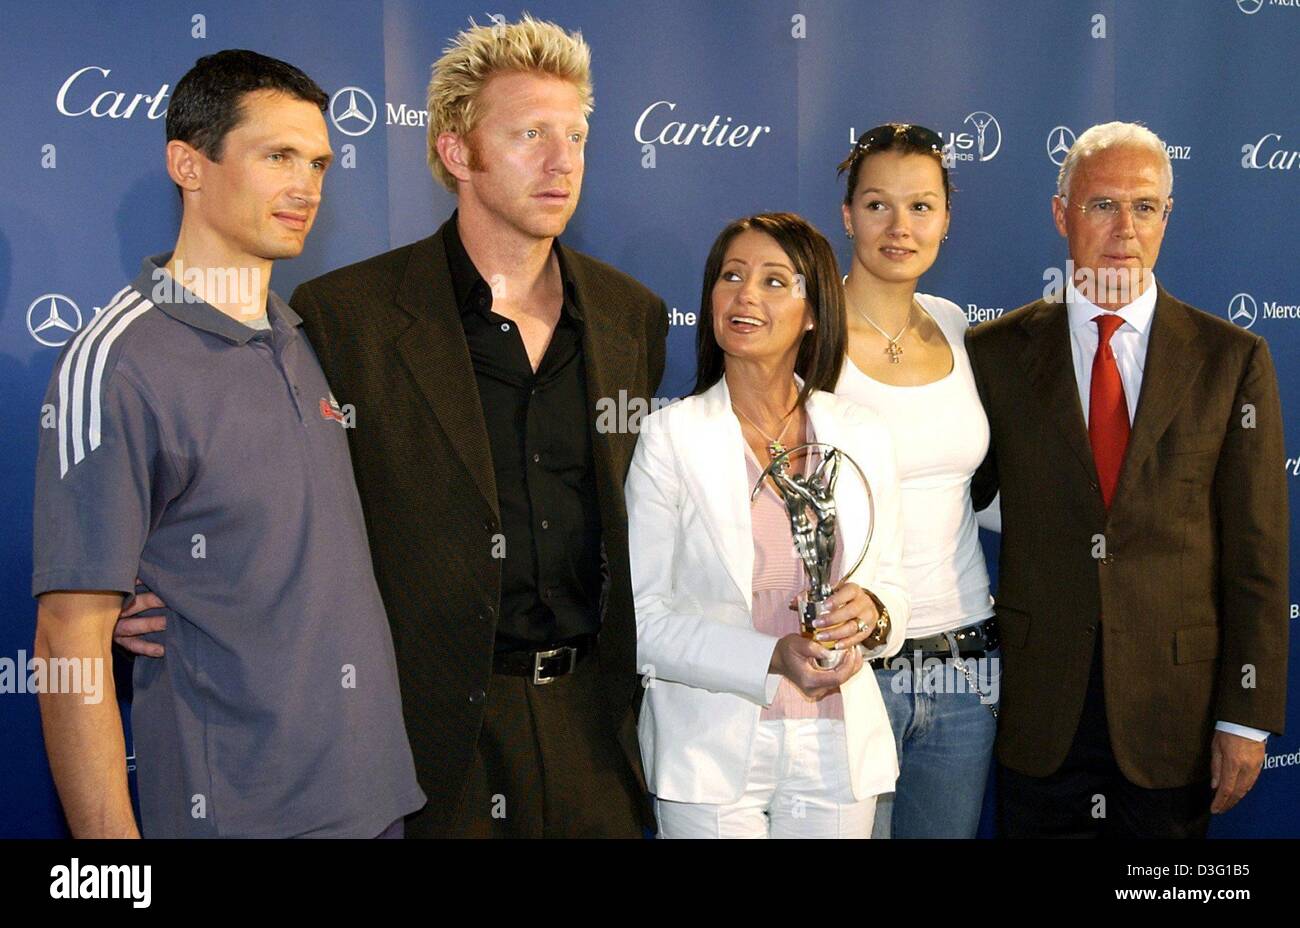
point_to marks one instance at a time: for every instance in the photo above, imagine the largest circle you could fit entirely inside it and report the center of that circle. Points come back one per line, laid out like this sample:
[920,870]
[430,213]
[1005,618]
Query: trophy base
[810,610]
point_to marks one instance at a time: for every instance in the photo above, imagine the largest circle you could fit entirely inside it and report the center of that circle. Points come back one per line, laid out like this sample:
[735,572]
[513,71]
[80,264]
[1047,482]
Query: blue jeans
[944,732]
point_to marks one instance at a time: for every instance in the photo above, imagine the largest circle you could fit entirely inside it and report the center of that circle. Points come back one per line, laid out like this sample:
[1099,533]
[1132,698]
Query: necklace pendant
[895,352]
[775,449]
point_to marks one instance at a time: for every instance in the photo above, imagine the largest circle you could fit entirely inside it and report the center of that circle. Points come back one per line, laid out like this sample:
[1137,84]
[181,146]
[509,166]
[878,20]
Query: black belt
[547,664]
[972,641]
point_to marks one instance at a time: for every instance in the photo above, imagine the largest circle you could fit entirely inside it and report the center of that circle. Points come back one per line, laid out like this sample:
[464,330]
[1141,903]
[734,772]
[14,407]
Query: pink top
[779,576]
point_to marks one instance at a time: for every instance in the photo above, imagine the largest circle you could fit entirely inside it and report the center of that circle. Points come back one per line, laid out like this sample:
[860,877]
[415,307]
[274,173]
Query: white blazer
[692,557]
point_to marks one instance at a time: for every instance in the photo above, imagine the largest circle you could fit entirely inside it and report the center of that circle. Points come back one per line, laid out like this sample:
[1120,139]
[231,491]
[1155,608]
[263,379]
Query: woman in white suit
[742,734]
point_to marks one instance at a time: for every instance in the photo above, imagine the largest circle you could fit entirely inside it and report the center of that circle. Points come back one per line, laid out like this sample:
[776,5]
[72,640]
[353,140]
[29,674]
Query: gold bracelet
[881,634]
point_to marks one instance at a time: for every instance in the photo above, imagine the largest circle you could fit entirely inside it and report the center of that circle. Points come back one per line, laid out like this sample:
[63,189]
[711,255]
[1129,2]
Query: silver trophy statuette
[810,504]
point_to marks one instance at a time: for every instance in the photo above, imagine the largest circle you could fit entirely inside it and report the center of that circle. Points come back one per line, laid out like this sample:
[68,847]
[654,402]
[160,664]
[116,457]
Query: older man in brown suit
[1142,584]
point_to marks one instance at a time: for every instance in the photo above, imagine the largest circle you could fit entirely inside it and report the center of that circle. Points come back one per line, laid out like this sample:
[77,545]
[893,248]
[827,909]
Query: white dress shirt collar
[1137,313]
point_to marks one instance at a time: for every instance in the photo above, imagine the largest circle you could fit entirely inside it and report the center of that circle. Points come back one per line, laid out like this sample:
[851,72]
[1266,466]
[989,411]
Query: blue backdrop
[85,194]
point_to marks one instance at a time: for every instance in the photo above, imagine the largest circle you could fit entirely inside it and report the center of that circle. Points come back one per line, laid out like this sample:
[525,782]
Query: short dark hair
[821,352]
[207,101]
[904,138]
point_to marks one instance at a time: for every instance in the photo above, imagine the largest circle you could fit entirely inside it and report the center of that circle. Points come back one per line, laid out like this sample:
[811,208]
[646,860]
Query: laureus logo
[1242,310]
[981,144]
[988,134]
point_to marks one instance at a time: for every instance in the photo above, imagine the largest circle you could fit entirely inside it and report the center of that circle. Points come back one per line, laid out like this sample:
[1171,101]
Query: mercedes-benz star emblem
[52,319]
[1242,310]
[352,111]
[1249,7]
[1059,142]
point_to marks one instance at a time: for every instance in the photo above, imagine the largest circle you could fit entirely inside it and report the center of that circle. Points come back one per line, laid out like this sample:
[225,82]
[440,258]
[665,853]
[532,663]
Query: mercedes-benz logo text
[353,111]
[52,319]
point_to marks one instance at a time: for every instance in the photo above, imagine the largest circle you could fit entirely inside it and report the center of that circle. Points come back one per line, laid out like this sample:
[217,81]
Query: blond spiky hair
[482,51]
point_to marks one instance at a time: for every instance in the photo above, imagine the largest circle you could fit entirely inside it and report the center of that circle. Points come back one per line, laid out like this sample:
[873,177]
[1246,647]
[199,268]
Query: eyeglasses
[884,135]
[1103,210]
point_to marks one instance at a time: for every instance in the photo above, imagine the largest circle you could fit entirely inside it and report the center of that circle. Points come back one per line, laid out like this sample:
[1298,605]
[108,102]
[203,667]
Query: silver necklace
[774,446]
[893,349]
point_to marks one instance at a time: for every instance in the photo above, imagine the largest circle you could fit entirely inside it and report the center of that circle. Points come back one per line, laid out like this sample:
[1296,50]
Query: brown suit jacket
[1189,594]
[390,340]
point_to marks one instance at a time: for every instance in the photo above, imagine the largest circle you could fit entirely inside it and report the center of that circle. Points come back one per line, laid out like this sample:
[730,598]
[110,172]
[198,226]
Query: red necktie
[1108,425]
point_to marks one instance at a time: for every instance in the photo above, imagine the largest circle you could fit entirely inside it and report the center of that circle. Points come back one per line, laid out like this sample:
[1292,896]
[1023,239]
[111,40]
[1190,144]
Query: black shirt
[538,430]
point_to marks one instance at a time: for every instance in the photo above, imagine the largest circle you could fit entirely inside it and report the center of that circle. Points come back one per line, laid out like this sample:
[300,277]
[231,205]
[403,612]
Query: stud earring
[848,233]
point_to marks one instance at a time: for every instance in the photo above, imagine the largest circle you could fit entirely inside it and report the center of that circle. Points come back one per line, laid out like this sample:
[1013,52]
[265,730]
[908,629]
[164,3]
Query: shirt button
[545,524]
[476,697]
[537,458]
[505,327]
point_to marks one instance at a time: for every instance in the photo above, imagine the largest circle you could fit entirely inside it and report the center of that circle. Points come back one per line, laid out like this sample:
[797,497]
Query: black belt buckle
[568,660]
[982,637]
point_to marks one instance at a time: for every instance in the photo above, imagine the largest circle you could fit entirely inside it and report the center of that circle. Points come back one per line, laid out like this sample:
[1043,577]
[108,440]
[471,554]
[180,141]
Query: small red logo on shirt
[333,412]
[330,410]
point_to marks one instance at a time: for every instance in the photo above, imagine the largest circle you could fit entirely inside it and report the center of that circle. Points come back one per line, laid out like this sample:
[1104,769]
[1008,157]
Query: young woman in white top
[907,362]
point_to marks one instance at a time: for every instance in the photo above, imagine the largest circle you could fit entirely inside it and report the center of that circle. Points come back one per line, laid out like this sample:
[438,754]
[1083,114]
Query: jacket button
[1092,485]
[476,697]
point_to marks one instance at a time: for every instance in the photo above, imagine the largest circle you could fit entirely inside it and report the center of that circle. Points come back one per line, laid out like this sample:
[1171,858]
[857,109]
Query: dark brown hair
[821,351]
[208,100]
[903,138]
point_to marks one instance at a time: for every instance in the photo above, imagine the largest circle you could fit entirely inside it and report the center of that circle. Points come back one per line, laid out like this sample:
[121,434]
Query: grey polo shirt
[210,460]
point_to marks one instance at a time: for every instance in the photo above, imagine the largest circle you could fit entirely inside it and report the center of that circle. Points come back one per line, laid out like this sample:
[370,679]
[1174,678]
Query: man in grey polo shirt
[196,445]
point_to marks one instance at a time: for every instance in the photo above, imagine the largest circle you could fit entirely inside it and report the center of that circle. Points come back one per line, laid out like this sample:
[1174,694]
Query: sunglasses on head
[885,135]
